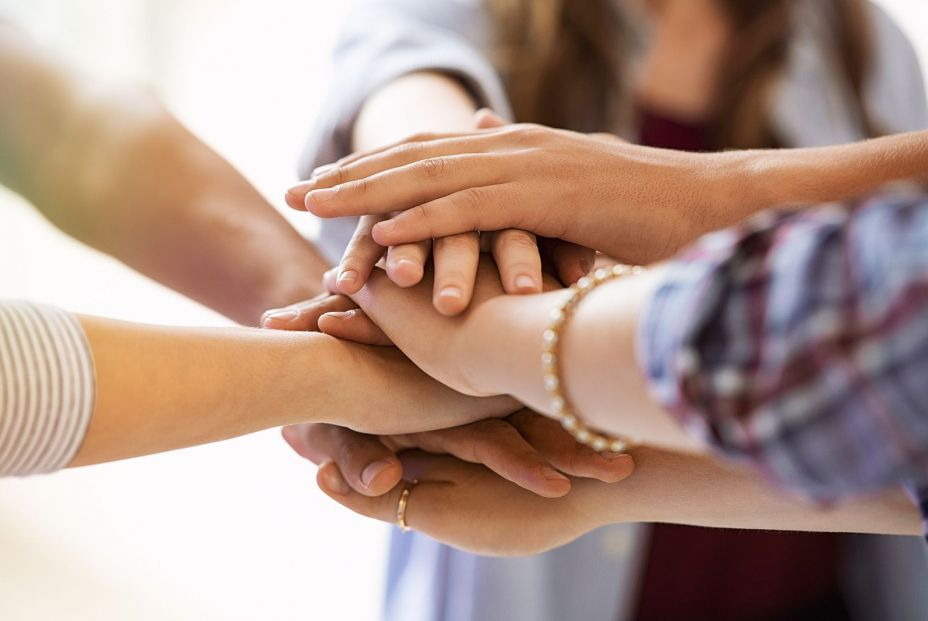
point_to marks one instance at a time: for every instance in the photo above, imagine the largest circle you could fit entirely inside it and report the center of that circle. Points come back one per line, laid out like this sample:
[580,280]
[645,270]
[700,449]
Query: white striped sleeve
[47,388]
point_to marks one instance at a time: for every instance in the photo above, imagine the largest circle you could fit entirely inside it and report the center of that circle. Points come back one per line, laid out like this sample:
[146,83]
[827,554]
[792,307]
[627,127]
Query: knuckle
[432,167]
[495,428]
[359,186]
[467,241]
[333,178]
[519,240]
[471,199]
[423,214]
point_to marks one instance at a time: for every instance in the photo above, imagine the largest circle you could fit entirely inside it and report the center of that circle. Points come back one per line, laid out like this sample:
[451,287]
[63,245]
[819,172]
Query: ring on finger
[401,507]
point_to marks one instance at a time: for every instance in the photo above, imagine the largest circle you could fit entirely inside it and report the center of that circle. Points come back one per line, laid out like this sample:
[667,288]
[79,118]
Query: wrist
[504,350]
[737,185]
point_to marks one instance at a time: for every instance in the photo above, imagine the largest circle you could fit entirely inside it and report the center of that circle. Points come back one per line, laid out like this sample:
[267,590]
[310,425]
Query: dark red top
[706,574]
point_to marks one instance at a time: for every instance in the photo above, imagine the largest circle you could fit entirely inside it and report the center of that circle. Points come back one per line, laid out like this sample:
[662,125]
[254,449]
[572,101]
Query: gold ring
[401,507]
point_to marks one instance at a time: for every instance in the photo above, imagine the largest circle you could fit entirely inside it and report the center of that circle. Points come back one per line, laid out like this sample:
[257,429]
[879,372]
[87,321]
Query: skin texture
[637,204]
[465,506]
[112,167]
[189,386]
[518,253]
[675,480]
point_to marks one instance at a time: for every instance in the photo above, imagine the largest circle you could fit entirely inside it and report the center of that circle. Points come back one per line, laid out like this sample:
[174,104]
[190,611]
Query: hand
[518,254]
[467,506]
[634,203]
[448,349]
[457,351]
[525,448]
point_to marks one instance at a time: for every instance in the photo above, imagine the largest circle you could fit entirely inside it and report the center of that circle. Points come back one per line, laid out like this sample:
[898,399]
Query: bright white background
[230,531]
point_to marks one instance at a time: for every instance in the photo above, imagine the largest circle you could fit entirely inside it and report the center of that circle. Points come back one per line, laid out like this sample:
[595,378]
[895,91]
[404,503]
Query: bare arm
[466,506]
[113,168]
[701,491]
[757,180]
[415,103]
[161,388]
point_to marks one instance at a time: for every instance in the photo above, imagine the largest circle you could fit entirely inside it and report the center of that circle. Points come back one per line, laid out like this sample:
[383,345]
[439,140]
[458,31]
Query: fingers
[472,209]
[353,325]
[400,187]
[456,258]
[428,499]
[368,467]
[304,316]
[415,150]
[518,259]
[570,261]
[406,263]
[497,445]
[360,257]
[564,453]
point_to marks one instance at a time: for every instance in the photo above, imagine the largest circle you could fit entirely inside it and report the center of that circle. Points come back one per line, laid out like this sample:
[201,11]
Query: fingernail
[586,265]
[320,196]
[613,457]
[340,314]
[333,480]
[321,170]
[284,314]
[524,281]
[451,292]
[373,471]
[551,474]
[348,276]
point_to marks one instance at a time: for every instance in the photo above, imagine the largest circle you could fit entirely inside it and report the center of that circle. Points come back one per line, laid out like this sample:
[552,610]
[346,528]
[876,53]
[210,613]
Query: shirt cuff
[47,386]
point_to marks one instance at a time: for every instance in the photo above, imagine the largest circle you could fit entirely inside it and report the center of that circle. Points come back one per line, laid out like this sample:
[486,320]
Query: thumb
[485,118]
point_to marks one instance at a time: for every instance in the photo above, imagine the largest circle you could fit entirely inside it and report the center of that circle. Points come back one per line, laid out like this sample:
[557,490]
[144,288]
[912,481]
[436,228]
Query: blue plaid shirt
[799,342]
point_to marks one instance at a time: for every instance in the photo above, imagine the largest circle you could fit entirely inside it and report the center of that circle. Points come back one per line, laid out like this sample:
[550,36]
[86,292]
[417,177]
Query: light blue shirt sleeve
[386,39]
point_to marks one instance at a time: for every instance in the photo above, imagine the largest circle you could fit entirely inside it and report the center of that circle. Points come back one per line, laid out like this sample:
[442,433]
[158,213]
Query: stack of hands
[417,276]
[477,483]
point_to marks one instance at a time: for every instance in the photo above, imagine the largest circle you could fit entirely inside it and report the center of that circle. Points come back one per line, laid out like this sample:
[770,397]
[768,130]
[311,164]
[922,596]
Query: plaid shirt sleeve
[799,343]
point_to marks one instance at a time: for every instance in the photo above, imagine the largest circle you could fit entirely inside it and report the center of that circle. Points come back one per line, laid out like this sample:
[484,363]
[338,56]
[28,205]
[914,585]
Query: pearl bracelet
[553,377]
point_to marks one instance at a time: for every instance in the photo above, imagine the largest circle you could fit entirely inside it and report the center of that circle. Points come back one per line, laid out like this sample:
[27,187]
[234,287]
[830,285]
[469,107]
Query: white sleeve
[47,386]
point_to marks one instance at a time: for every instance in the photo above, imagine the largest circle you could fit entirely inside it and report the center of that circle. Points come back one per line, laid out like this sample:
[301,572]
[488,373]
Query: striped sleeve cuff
[47,386]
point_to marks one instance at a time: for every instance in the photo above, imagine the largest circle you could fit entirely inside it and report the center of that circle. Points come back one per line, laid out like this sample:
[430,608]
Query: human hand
[519,254]
[469,507]
[446,348]
[635,203]
[524,448]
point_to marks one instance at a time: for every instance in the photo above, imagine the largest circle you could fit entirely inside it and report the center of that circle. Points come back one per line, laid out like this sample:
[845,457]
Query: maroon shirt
[707,574]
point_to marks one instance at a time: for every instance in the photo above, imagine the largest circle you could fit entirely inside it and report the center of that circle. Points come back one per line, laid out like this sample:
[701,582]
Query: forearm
[696,490]
[752,181]
[599,363]
[189,386]
[142,188]
[415,103]
[162,388]
[113,168]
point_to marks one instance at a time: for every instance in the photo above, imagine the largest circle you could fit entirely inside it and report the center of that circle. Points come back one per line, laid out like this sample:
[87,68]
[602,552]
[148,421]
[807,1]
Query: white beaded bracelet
[553,377]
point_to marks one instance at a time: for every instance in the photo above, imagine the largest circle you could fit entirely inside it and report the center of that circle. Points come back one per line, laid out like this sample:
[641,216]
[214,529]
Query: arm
[396,110]
[635,203]
[111,167]
[796,345]
[188,386]
[465,506]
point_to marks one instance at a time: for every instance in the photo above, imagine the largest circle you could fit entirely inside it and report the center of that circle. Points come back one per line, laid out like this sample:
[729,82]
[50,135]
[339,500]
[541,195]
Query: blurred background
[230,531]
